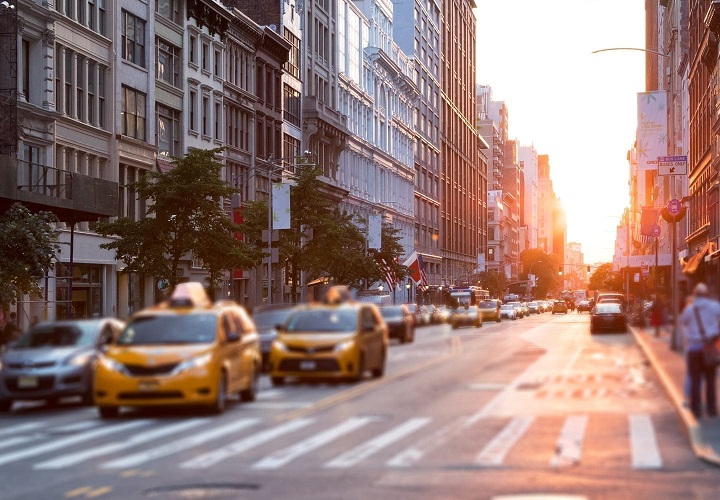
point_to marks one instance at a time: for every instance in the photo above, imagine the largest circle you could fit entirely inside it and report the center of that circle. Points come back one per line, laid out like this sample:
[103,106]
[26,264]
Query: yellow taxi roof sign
[190,294]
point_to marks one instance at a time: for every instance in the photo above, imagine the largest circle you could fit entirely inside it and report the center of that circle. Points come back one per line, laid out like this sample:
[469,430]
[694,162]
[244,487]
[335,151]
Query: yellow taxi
[490,309]
[184,351]
[338,339]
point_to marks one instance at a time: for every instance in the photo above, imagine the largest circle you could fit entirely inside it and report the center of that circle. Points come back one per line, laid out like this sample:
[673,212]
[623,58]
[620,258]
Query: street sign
[645,270]
[672,165]
[656,230]
[674,206]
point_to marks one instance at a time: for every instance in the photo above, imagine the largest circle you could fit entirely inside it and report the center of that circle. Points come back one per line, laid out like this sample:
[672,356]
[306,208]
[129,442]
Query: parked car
[533,307]
[490,310]
[584,305]
[518,308]
[441,314]
[336,340]
[508,311]
[186,350]
[266,319]
[608,316]
[466,316]
[559,306]
[400,323]
[55,359]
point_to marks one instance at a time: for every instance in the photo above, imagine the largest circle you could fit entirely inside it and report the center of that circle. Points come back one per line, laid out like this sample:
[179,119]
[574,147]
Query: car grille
[32,364]
[265,345]
[311,350]
[321,365]
[142,370]
[150,395]
[44,383]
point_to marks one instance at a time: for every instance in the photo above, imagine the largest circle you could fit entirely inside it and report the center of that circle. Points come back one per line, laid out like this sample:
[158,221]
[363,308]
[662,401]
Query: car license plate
[307,365]
[148,385]
[27,382]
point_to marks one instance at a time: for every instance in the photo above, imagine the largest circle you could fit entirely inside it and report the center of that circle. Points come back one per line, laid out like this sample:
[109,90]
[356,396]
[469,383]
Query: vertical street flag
[375,231]
[281,205]
[387,270]
[421,265]
[413,264]
[651,128]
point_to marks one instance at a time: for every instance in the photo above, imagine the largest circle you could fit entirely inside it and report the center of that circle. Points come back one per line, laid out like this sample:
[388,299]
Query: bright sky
[577,107]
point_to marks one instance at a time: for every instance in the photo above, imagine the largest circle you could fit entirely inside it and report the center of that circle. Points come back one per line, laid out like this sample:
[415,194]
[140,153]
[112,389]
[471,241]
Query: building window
[291,108]
[168,131]
[169,9]
[218,117]
[205,56]
[69,57]
[192,45]
[25,77]
[133,39]
[168,62]
[101,96]
[218,64]
[291,147]
[205,112]
[292,66]
[192,117]
[132,112]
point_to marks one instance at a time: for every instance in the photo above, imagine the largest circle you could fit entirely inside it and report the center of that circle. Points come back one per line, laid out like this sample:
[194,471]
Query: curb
[701,449]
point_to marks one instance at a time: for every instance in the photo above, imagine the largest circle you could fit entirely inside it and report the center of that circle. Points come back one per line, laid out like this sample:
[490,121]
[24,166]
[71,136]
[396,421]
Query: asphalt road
[527,407]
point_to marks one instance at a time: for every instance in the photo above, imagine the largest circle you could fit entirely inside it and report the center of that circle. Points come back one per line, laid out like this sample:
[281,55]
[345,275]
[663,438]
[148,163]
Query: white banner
[651,128]
[375,231]
[281,205]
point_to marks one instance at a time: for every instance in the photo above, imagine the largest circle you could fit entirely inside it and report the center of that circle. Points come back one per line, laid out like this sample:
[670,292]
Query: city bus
[471,295]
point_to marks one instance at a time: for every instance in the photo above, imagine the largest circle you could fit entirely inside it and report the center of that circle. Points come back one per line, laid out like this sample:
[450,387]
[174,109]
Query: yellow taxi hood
[307,339]
[159,354]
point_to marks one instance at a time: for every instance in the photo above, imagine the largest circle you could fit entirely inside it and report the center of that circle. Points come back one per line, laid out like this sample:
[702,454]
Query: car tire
[250,394]
[218,406]
[360,369]
[498,320]
[411,339]
[108,411]
[277,381]
[5,405]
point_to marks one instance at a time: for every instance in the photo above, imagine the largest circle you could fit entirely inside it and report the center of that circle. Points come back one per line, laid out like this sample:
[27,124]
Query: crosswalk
[266,444]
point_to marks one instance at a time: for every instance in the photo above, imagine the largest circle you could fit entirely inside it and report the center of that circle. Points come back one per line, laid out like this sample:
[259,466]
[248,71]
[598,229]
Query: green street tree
[495,283]
[27,251]
[183,217]
[605,279]
[545,268]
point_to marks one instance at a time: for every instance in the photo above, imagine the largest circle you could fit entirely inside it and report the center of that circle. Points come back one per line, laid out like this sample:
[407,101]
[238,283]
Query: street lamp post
[408,287]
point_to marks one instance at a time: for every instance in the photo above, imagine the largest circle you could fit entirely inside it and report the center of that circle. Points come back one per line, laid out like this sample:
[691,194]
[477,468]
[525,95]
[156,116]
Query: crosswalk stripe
[493,454]
[284,456]
[413,454]
[182,444]
[570,442]
[643,443]
[360,453]
[69,441]
[9,443]
[137,439]
[243,445]
[15,429]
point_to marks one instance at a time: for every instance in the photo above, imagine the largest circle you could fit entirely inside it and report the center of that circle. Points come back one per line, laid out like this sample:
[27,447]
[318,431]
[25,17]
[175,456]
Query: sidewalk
[704,434]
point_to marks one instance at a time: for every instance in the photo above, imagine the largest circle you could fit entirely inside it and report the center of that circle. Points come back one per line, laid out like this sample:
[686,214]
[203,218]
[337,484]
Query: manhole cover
[199,490]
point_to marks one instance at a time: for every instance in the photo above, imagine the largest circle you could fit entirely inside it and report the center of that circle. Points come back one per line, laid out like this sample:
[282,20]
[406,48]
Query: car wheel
[108,411]
[220,402]
[380,370]
[5,405]
[411,338]
[250,394]
[360,369]
[403,338]
[277,381]
[498,320]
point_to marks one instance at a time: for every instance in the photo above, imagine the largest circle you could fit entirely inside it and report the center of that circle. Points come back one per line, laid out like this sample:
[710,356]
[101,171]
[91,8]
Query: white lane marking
[270,394]
[180,445]
[282,457]
[413,454]
[69,441]
[363,451]
[568,449]
[278,405]
[79,426]
[493,454]
[9,443]
[645,451]
[106,449]
[14,429]
[243,445]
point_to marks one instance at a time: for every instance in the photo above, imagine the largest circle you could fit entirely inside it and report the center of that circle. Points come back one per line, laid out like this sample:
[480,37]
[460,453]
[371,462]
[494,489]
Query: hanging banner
[281,205]
[651,128]
[375,231]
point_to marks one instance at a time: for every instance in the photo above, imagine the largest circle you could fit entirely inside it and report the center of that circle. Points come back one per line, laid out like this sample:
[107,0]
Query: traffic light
[559,270]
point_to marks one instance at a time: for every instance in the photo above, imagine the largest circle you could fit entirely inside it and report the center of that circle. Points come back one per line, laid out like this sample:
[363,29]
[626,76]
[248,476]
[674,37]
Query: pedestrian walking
[657,316]
[700,321]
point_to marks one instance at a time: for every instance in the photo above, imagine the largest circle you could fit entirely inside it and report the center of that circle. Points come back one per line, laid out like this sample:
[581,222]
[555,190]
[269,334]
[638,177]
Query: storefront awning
[694,261]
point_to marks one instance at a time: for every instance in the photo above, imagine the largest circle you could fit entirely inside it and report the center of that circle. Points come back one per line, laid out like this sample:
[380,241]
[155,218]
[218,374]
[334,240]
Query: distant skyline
[577,107]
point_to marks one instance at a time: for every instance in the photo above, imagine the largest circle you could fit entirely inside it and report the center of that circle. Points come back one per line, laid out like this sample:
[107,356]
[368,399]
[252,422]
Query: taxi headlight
[344,345]
[191,363]
[80,359]
[280,346]
[112,365]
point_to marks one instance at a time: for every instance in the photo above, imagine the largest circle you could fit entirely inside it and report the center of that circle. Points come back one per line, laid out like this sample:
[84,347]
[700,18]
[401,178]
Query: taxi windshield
[170,329]
[322,320]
